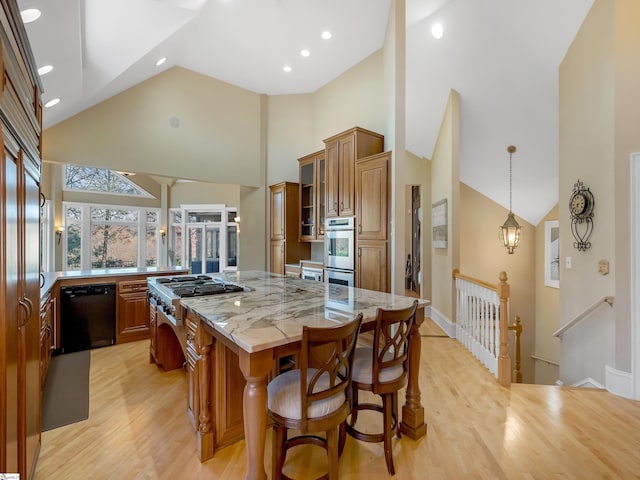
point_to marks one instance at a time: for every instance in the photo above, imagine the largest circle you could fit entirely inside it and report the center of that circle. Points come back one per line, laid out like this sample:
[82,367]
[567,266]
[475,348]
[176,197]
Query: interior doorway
[412,275]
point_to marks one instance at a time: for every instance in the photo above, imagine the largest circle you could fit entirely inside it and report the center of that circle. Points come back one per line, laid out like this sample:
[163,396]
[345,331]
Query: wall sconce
[163,234]
[59,231]
[510,230]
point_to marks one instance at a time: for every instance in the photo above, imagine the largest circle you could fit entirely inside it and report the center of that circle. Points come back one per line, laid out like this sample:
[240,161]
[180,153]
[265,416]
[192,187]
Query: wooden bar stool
[382,369]
[314,398]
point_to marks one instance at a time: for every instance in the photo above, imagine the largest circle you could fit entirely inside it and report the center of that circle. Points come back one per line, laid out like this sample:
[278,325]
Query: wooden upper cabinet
[312,196]
[341,152]
[372,197]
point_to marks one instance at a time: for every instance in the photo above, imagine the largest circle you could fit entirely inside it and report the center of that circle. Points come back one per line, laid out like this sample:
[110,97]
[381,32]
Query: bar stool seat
[382,369]
[314,398]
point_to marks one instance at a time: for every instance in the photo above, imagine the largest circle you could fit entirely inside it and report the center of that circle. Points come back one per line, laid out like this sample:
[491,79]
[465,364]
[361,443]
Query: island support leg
[412,424]
[205,433]
[255,367]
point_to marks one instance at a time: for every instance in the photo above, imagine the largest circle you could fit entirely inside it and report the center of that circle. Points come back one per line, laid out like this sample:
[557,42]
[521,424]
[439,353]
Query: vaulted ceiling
[502,56]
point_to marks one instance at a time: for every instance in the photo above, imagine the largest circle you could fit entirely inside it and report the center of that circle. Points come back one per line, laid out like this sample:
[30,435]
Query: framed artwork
[552,254]
[439,223]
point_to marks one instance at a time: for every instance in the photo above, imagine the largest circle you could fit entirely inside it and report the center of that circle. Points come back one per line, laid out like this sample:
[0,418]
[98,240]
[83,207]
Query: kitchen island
[262,327]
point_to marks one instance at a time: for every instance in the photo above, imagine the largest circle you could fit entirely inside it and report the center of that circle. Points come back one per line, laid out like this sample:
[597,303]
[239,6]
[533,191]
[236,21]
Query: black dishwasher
[87,317]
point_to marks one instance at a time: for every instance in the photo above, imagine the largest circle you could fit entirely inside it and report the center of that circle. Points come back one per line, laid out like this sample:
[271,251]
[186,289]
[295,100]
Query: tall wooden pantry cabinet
[285,218]
[372,187]
[20,133]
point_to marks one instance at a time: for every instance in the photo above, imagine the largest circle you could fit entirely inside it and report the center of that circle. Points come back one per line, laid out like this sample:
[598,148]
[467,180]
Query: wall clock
[581,203]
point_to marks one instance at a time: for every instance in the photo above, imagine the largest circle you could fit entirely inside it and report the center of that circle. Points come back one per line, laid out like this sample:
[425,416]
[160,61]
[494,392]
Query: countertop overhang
[274,312]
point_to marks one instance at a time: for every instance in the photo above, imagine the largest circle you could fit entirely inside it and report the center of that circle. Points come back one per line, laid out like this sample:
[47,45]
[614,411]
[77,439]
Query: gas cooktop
[199,285]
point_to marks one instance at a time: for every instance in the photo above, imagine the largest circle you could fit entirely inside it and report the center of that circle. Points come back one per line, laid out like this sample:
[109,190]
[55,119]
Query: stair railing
[588,311]
[482,312]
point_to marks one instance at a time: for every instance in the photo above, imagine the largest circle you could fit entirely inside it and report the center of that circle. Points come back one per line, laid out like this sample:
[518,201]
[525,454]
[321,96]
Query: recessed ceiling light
[161,61]
[305,53]
[30,15]
[43,70]
[52,102]
[326,35]
[437,30]
[287,68]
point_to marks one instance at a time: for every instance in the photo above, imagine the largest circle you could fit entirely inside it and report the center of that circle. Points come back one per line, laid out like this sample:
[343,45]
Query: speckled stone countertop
[48,279]
[275,311]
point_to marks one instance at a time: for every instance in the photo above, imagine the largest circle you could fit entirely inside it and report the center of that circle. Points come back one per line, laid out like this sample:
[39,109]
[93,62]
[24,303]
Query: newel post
[504,362]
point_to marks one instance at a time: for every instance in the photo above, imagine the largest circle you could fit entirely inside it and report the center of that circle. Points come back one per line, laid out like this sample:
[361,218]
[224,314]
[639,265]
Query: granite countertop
[50,278]
[274,312]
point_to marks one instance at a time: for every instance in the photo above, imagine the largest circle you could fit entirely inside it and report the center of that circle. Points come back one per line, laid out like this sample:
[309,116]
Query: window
[101,180]
[104,236]
[203,238]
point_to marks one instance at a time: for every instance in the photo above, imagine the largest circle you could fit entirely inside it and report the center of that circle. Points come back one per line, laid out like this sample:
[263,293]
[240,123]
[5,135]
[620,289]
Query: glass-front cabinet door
[312,196]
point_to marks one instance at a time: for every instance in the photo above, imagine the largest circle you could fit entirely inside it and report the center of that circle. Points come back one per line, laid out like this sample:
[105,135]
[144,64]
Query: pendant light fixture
[510,230]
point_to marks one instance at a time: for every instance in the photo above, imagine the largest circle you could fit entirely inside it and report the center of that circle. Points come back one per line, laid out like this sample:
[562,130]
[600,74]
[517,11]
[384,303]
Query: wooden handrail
[545,360]
[588,311]
[490,286]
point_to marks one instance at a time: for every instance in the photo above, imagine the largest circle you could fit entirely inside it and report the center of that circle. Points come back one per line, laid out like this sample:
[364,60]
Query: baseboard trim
[588,383]
[442,321]
[618,382]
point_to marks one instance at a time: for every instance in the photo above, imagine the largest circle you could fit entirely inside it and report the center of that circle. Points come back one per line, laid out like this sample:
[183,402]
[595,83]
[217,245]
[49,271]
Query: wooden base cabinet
[47,331]
[132,316]
[372,266]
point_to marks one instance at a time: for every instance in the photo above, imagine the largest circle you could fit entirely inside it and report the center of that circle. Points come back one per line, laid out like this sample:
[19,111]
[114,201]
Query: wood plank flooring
[138,429]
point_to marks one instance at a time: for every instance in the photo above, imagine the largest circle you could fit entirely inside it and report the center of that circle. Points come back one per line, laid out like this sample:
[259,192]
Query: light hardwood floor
[138,429]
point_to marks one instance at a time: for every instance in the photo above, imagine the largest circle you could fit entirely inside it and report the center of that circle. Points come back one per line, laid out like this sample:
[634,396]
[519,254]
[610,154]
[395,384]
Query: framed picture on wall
[439,223]
[552,254]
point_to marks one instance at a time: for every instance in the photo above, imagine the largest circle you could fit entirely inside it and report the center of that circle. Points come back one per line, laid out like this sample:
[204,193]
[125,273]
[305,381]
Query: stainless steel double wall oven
[339,250]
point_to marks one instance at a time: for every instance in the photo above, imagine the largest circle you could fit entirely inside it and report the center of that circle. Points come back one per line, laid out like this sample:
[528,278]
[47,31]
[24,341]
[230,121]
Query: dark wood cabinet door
[30,332]
[132,317]
[10,319]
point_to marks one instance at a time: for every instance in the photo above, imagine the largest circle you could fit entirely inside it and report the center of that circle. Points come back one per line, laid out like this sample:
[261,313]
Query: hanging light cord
[510,149]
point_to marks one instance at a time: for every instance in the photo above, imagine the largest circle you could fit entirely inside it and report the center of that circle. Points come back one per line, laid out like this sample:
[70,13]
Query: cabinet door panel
[133,317]
[277,214]
[372,198]
[31,331]
[277,256]
[372,271]
[10,317]
[346,166]
[331,159]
